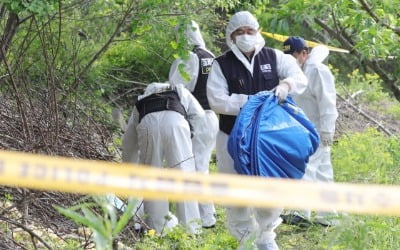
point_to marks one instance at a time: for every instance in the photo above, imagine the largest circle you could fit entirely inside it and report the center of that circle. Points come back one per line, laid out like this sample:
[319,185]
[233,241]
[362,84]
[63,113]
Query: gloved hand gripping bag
[272,139]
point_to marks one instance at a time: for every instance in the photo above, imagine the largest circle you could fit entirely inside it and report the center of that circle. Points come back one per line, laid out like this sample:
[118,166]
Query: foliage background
[67,64]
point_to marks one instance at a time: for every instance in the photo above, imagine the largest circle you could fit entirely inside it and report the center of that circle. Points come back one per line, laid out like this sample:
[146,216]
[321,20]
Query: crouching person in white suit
[159,135]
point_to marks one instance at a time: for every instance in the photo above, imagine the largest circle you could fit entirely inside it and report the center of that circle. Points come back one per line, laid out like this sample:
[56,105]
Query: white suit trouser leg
[203,145]
[165,140]
[245,222]
[319,169]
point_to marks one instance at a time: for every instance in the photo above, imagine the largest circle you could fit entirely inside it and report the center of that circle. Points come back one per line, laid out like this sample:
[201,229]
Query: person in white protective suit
[318,102]
[245,69]
[197,66]
[159,135]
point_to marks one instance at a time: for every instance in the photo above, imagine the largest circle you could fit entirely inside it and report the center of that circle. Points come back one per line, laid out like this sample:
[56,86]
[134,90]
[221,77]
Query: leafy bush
[367,157]
[366,232]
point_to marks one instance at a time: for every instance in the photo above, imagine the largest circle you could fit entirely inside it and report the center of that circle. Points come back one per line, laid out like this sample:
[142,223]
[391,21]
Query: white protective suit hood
[240,19]
[318,54]
[154,87]
[193,35]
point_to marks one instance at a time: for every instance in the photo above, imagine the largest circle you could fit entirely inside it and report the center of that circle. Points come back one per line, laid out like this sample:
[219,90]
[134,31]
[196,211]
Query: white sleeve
[130,150]
[218,94]
[289,71]
[193,108]
[190,67]
[323,88]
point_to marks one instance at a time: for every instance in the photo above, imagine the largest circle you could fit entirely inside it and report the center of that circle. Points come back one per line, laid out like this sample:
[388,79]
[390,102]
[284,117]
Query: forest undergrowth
[28,219]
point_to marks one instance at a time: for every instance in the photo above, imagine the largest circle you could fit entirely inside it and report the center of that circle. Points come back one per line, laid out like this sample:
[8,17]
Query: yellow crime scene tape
[100,177]
[282,38]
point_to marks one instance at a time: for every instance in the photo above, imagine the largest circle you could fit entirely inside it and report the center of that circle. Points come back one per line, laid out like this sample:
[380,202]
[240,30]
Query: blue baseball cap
[294,43]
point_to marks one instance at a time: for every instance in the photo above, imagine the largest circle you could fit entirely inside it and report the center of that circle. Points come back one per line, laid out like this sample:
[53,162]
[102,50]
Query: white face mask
[246,43]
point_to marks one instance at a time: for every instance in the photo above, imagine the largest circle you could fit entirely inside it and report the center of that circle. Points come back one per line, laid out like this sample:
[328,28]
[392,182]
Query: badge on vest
[206,65]
[266,68]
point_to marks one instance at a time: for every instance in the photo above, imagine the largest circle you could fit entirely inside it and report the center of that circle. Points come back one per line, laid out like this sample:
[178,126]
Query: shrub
[369,157]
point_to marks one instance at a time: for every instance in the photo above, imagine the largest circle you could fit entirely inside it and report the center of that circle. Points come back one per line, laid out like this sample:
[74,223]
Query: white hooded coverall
[247,222]
[162,139]
[206,129]
[318,102]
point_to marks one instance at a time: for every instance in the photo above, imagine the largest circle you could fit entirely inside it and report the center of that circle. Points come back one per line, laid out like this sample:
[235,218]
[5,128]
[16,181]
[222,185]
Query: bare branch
[128,81]
[105,47]
[4,76]
[31,233]
[392,84]
[17,95]
[9,32]
[368,9]
[361,112]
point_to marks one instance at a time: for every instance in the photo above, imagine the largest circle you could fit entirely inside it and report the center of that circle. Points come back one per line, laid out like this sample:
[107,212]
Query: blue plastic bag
[272,139]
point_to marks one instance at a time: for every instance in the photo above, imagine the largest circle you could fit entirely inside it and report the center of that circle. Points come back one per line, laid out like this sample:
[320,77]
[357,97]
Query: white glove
[282,90]
[326,138]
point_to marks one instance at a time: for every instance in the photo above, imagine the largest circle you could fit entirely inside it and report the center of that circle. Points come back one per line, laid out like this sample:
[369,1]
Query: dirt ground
[357,118]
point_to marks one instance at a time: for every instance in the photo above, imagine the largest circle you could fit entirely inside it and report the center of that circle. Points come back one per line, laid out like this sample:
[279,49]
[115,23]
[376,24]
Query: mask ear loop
[230,36]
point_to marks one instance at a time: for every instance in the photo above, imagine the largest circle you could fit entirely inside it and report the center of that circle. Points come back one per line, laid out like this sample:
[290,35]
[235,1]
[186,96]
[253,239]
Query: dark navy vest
[240,80]
[205,61]
[168,100]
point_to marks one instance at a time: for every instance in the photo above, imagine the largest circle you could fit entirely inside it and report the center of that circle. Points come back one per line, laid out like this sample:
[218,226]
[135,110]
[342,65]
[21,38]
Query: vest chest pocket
[268,78]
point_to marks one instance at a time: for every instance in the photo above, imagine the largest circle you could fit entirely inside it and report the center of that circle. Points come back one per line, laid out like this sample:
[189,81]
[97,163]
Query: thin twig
[4,76]
[31,233]
[105,46]
[361,112]
[368,9]
[128,81]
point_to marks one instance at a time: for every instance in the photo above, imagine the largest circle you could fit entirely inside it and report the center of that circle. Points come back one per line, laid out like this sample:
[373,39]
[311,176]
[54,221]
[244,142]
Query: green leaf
[112,215]
[76,217]
[174,44]
[96,222]
[184,74]
[126,216]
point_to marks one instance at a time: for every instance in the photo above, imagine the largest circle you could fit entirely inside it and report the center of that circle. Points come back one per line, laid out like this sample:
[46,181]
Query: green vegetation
[368,157]
[365,157]
[105,225]
[65,65]
[213,238]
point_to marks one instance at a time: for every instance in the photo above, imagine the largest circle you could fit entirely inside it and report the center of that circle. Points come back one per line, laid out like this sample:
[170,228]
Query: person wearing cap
[245,69]
[318,102]
[197,67]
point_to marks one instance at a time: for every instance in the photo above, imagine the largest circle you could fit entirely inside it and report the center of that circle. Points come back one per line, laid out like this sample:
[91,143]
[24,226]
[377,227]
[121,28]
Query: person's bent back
[159,134]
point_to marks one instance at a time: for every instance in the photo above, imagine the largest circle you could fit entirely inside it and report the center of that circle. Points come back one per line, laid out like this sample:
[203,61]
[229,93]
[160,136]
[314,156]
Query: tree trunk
[9,32]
